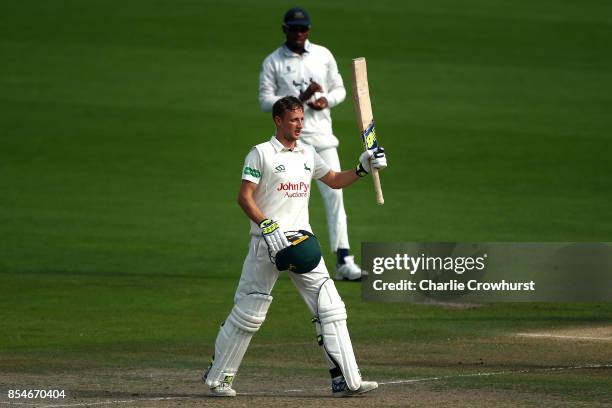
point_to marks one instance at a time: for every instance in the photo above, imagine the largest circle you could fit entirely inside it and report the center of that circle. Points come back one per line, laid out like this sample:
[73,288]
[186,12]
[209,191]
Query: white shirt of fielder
[284,181]
[286,73]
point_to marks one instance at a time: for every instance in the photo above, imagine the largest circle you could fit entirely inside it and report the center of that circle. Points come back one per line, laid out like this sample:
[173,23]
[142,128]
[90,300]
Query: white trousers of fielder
[251,302]
[334,204]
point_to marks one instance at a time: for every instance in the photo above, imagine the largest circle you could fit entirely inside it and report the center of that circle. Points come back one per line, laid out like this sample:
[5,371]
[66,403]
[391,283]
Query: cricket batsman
[274,194]
[309,72]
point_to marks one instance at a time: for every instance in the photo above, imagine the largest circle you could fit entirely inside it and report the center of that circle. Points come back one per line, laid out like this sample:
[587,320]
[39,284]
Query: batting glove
[275,238]
[371,159]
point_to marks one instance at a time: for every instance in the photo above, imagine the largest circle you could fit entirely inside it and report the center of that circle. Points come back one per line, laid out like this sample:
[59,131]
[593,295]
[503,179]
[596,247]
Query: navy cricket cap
[296,16]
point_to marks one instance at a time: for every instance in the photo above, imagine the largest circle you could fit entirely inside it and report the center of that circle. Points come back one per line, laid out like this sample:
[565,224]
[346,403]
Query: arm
[340,179]
[270,230]
[247,203]
[335,93]
[267,87]
[335,86]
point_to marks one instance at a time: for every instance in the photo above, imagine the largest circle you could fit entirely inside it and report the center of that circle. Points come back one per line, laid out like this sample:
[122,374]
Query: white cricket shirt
[284,179]
[285,73]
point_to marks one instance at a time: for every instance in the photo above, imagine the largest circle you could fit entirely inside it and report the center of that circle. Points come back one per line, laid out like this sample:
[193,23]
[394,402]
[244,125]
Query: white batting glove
[371,159]
[275,238]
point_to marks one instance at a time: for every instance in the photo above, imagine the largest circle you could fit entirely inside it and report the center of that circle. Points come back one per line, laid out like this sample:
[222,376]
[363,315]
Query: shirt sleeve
[267,86]
[252,169]
[335,86]
[320,167]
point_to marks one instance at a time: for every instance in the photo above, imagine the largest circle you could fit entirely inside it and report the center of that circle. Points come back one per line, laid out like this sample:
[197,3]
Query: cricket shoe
[349,270]
[340,389]
[224,389]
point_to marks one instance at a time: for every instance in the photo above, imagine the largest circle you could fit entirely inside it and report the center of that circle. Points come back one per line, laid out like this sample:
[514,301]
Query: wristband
[360,171]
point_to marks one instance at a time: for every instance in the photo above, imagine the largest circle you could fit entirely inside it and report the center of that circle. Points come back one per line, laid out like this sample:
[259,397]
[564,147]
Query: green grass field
[123,127]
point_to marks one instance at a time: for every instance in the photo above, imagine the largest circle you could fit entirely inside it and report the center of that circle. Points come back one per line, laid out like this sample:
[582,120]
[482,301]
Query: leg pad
[233,339]
[331,319]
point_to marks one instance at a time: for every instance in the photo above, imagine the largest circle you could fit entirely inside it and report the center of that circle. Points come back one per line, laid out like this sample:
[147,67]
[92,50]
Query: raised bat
[365,119]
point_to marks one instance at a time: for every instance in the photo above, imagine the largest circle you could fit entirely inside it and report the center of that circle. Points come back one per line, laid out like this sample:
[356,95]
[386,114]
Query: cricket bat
[365,119]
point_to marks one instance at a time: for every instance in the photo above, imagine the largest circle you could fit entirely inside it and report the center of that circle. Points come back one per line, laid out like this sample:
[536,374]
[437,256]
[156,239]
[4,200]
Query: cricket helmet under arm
[302,256]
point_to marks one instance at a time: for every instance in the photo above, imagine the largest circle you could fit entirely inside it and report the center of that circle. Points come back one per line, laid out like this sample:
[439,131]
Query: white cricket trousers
[334,204]
[259,276]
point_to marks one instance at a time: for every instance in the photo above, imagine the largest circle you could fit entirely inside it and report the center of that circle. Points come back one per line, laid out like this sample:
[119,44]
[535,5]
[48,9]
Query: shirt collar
[289,53]
[278,146]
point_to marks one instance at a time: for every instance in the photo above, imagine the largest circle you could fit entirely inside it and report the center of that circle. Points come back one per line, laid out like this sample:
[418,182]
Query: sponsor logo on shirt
[294,190]
[252,172]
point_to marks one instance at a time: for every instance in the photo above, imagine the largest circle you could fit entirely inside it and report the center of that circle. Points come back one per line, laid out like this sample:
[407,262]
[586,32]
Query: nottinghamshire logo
[252,172]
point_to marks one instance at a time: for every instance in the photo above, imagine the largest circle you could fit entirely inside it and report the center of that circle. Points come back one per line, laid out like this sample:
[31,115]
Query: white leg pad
[244,320]
[336,339]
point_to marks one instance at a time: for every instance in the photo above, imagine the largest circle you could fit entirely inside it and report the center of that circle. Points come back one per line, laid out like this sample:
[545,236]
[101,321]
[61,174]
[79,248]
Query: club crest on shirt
[297,84]
[307,168]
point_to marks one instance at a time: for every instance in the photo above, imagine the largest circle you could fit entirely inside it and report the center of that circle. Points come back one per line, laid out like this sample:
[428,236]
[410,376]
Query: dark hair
[286,104]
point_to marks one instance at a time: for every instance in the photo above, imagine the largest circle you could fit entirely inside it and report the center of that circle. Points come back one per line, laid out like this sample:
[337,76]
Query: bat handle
[377,187]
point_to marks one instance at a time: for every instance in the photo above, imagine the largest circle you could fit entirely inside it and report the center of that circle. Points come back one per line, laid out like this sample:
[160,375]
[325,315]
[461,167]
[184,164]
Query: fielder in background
[308,71]
[274,194]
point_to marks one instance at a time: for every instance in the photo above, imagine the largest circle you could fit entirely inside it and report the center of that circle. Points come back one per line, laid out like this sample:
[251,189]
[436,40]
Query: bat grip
[377,187]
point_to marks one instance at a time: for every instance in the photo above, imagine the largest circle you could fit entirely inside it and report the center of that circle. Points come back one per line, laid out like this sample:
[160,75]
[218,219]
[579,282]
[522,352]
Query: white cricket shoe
[340,389]
[224,389]
[349,270]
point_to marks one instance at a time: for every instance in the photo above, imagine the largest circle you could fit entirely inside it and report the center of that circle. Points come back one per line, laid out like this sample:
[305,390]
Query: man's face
[290,124]
[296,35]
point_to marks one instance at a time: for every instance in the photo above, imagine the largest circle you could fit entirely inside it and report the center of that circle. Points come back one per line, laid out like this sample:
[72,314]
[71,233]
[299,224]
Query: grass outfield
[123,127]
